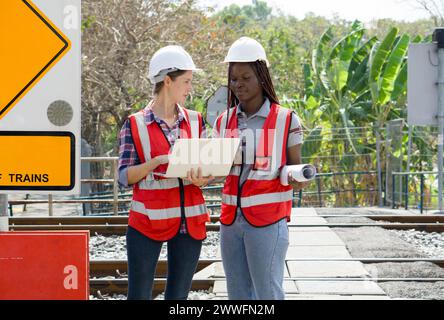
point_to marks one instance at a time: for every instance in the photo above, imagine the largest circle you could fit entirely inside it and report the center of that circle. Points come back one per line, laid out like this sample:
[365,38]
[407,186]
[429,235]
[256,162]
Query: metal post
[318,184]
[50,206]
[421,188]
[441,124]
[385,190]
[438,36]
[116,187]
[300,198]
[409,156]
[393,191]
[406,192]
[4,219]
[378,161]
[387,168]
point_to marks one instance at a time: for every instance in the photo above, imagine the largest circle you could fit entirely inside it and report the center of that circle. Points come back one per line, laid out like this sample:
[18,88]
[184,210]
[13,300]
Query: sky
[363,10]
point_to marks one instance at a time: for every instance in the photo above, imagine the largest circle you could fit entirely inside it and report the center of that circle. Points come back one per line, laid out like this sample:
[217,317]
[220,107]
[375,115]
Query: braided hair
[262,74]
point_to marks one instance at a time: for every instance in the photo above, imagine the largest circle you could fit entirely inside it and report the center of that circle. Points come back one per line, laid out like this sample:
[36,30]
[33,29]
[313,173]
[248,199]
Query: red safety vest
[263,200]
[158,204]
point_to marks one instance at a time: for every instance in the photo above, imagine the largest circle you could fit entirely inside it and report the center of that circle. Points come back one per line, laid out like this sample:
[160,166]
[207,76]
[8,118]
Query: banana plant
[335,65]
[388,73]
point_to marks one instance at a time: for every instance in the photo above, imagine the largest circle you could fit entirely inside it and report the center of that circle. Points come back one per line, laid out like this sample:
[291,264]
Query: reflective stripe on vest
[263,199]
[258,200]
[164,210]
[223,123]
[165,214]
[145,141]
[195,123]
[276,159]
[161,184]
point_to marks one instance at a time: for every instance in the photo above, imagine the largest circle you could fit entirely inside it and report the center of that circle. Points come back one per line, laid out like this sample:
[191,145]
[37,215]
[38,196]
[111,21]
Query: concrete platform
[295,252]
[220,287]
[296,212]
[333,297]
[327,269]
[315,242]
[315,238]
[216,271]
[307,221]
[340,287]
[309,229]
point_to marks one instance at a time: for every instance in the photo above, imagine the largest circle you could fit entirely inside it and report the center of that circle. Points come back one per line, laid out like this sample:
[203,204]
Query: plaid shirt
[127,151]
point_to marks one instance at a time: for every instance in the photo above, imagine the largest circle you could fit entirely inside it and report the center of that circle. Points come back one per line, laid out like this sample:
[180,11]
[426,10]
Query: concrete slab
[286,273]
[333,297]
[307,221]
[368,288]
[315,238]
[219,297]
[327,269]
[205,273]
[295,252]
[220,287]
[310,229]
[303,212]
[290,287]
[219,271]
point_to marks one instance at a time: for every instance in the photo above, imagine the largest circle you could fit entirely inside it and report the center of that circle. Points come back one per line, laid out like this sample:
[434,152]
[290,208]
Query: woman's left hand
[197,179]
[297,186]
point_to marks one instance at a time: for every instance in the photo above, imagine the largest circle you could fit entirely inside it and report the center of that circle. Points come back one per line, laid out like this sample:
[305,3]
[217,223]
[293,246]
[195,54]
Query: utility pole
[438,37]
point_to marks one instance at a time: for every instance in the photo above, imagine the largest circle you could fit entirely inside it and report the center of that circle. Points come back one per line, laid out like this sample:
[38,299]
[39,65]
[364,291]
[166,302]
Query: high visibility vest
[158,204]
[263,200]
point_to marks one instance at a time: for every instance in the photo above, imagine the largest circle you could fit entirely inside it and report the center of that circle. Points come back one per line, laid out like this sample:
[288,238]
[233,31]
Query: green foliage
[87,22]
[337,75]
[241,17]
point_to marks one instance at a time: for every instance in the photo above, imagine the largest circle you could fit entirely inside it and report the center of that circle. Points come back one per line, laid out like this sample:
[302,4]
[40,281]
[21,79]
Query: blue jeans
[143,254]
[254,259]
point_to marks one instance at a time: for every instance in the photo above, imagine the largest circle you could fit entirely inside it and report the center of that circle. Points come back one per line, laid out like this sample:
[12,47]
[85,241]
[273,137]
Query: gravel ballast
[431,244]
[193,295]
[375,242]
[114,247]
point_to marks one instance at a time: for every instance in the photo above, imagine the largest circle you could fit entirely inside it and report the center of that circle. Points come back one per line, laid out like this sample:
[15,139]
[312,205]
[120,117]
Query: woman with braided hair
[255,205]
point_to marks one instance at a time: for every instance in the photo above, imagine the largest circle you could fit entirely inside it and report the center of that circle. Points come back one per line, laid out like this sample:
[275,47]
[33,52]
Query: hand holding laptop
[197,179]
[214,157]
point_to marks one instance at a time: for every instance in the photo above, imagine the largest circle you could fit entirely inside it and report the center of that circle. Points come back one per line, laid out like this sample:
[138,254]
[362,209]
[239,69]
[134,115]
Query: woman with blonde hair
[163,210]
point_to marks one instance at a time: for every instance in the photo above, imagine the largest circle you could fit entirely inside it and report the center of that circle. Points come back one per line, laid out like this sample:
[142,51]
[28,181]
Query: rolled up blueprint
[301,173]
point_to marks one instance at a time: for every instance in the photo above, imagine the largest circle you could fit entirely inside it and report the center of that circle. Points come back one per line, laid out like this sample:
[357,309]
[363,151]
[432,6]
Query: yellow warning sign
[36,160]
[30,45]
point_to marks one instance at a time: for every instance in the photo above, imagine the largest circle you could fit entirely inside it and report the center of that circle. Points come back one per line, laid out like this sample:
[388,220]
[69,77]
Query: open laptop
[214,156]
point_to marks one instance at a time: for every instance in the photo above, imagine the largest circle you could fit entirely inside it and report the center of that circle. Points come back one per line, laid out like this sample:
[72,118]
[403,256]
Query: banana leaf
[378,57]
[392,68]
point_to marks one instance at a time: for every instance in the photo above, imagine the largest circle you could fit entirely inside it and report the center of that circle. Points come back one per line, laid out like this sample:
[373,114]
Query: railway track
[116,225]
[109,276]
[84,220]
[120,286]
[100,269]
[104,268]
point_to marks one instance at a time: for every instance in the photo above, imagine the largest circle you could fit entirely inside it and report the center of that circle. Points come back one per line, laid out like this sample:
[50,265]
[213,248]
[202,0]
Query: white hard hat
[246,49]
[169,59]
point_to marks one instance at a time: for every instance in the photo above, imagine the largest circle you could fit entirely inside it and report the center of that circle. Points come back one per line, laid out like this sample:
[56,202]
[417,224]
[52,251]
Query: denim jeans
[143,254]
[254,259]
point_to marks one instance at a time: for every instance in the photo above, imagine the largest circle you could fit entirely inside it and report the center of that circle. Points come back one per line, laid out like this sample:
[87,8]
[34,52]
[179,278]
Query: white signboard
[40,89]
[422,88]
